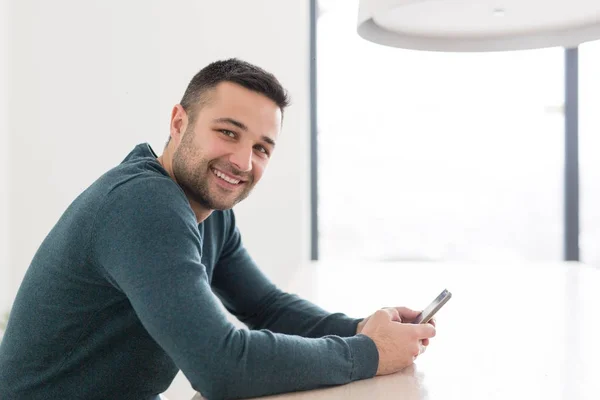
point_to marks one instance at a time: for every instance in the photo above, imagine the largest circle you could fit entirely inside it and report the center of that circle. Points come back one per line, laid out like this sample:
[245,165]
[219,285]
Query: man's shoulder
[140,173]
[139,183]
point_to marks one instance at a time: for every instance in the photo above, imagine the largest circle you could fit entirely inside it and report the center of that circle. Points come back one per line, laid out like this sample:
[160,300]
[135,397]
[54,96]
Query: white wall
[5,272]
[89,80]
[92,79]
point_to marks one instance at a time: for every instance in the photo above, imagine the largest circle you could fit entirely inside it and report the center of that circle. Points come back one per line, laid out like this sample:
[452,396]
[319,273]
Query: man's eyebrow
[243,127]
[232,122]
[268,140]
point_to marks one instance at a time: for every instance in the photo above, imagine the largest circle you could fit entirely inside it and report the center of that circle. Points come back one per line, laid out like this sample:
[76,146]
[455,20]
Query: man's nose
[242,158]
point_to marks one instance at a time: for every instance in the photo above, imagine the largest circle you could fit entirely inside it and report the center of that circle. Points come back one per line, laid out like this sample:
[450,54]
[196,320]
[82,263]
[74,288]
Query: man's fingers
[432,323]
[407,314]
[393,314]
[425,331]
[387,313]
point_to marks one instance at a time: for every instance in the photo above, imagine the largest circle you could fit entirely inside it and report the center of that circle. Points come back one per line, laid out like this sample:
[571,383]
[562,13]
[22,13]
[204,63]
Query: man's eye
[228,133]
[262,150]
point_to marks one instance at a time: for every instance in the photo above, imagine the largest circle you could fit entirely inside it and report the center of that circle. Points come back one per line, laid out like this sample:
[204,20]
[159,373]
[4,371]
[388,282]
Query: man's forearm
[297,377]
[249,295]
[274,363]
[287,313]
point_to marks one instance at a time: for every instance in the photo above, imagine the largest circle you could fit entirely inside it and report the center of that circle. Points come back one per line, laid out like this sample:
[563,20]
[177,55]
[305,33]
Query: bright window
[589,147]
[437,156]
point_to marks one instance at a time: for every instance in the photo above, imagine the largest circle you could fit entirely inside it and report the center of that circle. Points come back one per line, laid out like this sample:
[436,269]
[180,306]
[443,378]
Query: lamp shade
[479,25]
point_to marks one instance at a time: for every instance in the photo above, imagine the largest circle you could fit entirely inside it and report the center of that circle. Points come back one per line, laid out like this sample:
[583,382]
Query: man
[121,293]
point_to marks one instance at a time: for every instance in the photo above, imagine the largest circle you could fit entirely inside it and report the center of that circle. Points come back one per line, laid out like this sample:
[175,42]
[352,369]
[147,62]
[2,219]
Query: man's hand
[398,343]
[406,316]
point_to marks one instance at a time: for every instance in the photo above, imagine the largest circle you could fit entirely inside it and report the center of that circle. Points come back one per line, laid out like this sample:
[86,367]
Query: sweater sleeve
[146,239]
[266,306]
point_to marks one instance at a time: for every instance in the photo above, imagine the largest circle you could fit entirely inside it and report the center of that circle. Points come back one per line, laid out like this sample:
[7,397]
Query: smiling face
[222,155]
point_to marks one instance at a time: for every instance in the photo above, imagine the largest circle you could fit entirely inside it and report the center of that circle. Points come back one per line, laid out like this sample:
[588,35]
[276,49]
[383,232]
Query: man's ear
[179,122]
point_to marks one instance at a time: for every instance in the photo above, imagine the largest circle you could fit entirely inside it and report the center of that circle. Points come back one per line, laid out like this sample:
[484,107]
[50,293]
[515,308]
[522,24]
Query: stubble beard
[192,174]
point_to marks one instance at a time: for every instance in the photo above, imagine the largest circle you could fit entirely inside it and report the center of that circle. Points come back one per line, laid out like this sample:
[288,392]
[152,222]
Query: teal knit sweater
[124,292]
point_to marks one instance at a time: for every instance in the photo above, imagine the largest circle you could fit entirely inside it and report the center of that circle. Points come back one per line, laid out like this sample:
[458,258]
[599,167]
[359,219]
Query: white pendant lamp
[479,25]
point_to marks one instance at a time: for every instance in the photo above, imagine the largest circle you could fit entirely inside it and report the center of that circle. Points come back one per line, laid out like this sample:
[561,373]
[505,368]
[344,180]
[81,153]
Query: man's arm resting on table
[250,296]
[154,259]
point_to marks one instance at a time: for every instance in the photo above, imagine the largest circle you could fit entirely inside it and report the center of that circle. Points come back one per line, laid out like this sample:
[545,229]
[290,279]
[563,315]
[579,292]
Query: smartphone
[431,309]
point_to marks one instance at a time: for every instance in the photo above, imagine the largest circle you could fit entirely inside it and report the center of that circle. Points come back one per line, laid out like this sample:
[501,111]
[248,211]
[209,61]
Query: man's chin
[222,205]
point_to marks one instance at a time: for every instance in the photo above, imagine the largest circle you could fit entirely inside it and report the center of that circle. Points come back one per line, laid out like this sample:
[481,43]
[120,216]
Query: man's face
[225,152]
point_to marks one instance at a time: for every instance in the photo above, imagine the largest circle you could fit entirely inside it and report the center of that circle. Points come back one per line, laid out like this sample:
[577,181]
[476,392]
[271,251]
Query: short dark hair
[236,71]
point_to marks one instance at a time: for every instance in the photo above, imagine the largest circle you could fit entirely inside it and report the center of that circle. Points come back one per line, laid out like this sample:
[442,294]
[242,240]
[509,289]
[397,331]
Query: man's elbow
[224,378]
[219,384]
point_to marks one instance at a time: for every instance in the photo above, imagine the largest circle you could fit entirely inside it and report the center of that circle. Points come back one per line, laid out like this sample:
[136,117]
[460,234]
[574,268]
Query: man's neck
[166,160]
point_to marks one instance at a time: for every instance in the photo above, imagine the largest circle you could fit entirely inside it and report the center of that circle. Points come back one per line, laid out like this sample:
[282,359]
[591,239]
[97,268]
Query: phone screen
[431,309]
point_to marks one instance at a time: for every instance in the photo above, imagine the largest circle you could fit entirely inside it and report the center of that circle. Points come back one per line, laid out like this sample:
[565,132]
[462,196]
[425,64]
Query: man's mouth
[225,177]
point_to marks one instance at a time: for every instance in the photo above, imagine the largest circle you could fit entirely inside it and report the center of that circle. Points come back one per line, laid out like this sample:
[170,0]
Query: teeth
[225,177]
